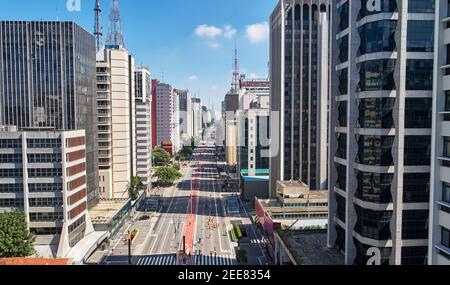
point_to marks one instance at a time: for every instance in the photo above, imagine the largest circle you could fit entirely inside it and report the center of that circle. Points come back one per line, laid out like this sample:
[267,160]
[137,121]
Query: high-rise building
[439,240]
[155,142]
[196,117]
[43,174]
[143,125]
[167,115]
[47,81]
[116,121]
[299,51]
[381,119]
[186,130]
[253,129]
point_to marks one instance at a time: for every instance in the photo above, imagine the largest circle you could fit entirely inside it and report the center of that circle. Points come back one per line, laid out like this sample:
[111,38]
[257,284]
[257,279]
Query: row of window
[46,217]
[45,231]
[77,224]
[45,202]
[44,143]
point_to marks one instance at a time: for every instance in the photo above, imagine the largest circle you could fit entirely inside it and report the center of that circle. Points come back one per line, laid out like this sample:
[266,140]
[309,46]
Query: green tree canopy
[167,174]
[134,186]
[160,157]
[15,239]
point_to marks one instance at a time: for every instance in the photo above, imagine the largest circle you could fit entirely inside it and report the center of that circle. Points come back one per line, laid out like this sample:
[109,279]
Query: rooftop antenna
[235,82]
[115,36]
[98,24]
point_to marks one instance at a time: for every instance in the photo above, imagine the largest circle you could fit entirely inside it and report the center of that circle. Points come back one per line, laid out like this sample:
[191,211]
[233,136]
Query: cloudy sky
[189,42]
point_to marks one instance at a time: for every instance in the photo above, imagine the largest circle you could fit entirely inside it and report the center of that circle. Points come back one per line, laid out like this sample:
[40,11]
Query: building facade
[439,240]
[43,174]
[299,48]
[186,125]
[166,104]
[47,80]
[196,117]
[143,125]
[381,119]
[116,121]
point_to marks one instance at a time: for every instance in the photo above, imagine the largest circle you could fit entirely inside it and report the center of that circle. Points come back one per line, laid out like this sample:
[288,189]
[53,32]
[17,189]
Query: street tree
[15,238]
[167,175]
[133,187]
[160,157]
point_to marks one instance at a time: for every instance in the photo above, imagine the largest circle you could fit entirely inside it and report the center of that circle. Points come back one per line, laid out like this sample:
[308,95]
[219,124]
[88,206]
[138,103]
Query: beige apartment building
[116,125]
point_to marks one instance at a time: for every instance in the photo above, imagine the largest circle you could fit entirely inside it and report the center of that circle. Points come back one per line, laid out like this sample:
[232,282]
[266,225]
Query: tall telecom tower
[235,82]
[98,24]
[115,36]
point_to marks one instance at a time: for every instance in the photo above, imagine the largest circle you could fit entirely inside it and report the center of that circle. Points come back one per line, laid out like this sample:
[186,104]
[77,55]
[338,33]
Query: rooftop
[106,209]
[312,248]
[33,261]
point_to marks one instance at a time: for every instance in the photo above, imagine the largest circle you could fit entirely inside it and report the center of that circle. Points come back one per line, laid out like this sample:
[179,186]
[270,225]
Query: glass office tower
[381,119]
[299,96]
[47,81]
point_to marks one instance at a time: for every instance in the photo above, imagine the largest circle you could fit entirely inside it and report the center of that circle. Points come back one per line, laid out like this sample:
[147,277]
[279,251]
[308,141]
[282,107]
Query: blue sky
[190,41]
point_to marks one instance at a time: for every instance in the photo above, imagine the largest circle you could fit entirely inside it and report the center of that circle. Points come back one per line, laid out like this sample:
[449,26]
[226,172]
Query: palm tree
[134,186]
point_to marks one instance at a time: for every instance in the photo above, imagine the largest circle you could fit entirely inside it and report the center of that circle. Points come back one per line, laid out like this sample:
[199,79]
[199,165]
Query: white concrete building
[439,240]
[196,117]
[167,115]
[43,174]
[116,121]
[186,125]
[143,125]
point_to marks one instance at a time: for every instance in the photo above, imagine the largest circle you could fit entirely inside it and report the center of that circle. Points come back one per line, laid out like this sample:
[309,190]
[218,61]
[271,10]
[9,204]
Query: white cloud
[229,31]
[193,77]
[206,31]
[213,44]
[213,87]
[258,32]
[253,76]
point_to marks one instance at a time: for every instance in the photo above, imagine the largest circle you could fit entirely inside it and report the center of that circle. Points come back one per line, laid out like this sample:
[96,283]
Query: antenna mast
[115,36]
[235,83]
[98,24]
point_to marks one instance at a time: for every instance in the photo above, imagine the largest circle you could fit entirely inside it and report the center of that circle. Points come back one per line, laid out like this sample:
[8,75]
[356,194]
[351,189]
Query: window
[447,146]
[44,143]
[343,81]
[417,150]
[45,187]
[420,36]
[342,116]
[375,150]
[341,208]
[445,237]
[446,192]
[10,143]
[421,6]
[45,202]
[11,203]
[419,74]
[45,231]
[415,224]
[11,158]
[341,181]
[418,113]
[416,188]
[376,113]
[343,12]
[414,255]
[77,224]
[44,158]
[376,75]
[342,146]
[44,172]
[377,37]
[11,173]
[374,187]
[373,224]
[11,188]
[46,217]
[343,49]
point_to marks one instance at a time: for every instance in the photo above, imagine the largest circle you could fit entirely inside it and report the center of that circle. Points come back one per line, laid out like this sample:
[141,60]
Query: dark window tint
[374,187]
[418,112]
[377,37]
[417,150]
[419,74]
[420,36]
[415,224]
[416,188]
[421,6]
[376,75]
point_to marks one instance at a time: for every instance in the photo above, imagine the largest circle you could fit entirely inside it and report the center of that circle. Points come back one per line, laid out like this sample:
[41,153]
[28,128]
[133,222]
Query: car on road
[144,218]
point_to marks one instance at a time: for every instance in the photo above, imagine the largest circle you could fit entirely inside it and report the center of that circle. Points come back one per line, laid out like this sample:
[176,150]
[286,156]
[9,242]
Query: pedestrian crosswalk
[258,241]
[157,260]
[170,259]
[213,260]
